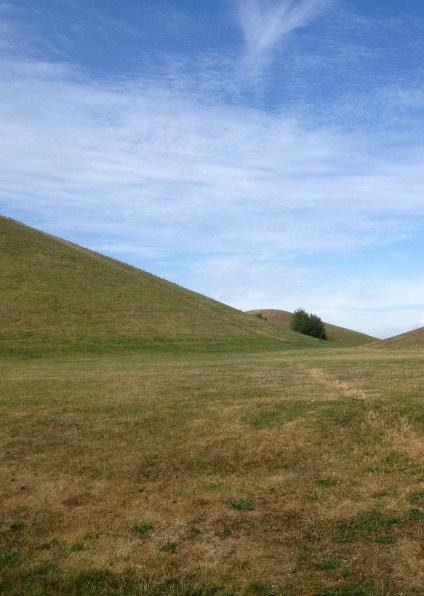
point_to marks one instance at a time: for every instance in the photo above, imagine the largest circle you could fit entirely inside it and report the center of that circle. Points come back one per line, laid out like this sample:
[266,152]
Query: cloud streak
[234,201]
[266,23]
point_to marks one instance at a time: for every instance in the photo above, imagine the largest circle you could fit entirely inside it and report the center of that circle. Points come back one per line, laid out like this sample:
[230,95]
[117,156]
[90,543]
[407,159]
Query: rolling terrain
[168,445]
[410,340]
[58,297]
[335,334]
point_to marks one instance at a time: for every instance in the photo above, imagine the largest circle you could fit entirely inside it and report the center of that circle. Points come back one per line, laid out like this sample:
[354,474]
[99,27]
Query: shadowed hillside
[410,340]
[335,334]
[59,297]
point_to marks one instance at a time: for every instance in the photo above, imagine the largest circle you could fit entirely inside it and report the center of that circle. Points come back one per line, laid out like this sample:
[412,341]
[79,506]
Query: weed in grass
[92,536]
[384,539]
[54,545]
[224,532]
[260,588]
[329,563]
[418,497]
[353,589]
[245,504]
[143,528]
[364,524]
[7,557]
[416,514]
[381,493]
[193,532]
[394,458]
[227,577]
[17,526]
[77,547]
[170,547]
[374,470]
[310,498]
[314,536]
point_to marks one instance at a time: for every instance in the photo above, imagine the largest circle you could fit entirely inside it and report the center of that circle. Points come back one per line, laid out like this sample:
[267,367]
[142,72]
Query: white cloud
[265,24]
[223,196]
[376,305]
[172,165]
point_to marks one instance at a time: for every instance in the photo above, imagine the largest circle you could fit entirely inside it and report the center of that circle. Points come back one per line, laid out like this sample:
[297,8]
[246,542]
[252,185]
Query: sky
[266,153]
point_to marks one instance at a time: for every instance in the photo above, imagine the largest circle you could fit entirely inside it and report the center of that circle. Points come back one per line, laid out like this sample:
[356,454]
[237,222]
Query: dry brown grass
[92,447]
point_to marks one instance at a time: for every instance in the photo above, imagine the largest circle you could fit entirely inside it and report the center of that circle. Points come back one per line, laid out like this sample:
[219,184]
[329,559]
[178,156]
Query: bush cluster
[308,324]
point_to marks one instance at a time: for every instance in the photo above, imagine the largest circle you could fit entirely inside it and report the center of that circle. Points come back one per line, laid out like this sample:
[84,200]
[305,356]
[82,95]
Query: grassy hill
[410,340]
[177,474]
[335,334]
[59,297]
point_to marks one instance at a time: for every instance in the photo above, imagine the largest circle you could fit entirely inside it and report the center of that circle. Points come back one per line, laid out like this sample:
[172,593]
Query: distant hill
[57,297]
[411,339]
[335,334]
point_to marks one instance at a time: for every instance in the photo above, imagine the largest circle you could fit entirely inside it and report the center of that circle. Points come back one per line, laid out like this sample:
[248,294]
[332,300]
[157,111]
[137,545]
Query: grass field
[155,441]
[297,472]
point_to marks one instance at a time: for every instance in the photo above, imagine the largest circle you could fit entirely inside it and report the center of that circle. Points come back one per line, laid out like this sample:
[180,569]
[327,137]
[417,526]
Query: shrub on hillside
[308,324]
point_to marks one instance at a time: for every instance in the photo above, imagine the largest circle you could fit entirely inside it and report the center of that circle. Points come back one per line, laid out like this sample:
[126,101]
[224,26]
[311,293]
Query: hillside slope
[335,334]
[410,340]
[59,297]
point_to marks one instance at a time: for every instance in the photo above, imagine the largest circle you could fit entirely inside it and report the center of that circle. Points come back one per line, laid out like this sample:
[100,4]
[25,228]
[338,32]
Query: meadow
[290,472]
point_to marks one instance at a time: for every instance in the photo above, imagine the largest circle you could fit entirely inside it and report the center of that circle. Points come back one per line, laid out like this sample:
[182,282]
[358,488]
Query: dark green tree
[308,324]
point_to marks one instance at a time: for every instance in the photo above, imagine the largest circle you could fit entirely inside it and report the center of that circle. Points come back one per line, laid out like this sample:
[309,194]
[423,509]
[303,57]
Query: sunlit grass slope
[335,334]
[58,297]
[411,340]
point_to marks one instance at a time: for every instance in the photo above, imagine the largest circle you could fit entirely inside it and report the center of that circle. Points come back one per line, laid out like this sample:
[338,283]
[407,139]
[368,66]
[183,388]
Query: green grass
[143,528]
[365,524]
[170,547]
[59,298]
[45,581]
[244,504]
[357,588]
[329,563]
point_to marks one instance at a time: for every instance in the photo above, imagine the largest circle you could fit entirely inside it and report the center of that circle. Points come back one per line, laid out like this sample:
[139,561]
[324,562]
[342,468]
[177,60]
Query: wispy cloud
[266,23]
[233,201]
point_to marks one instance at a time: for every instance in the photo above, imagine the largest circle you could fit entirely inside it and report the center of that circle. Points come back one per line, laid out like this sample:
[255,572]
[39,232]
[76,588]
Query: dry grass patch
[241,474]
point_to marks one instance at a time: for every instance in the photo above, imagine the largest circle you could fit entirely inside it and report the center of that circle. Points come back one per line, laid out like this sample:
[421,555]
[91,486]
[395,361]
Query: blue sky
[269,154]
